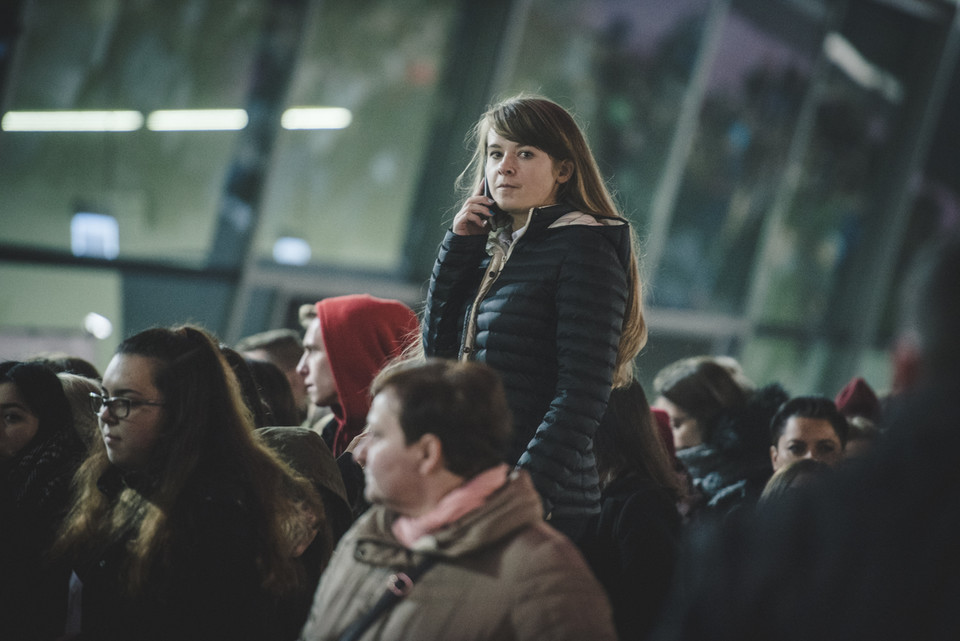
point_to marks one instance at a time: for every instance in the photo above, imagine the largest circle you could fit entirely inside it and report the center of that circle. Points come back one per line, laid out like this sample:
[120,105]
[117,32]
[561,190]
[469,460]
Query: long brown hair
[542,123]
[628,441]
[205,423]
[704,387]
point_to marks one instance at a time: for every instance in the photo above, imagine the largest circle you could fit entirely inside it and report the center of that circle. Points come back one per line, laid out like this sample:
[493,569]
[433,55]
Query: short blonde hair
[307,313]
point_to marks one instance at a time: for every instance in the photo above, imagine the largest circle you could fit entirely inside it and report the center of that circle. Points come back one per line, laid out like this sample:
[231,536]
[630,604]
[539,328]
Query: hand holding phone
[479,214]
[500,217]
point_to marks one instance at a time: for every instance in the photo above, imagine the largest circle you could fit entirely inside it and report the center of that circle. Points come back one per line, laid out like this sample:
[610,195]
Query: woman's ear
[564,171]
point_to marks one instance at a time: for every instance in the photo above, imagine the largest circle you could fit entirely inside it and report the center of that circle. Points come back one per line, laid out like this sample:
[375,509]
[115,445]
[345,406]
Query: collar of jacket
[114,480]
[539,218]
[514,506]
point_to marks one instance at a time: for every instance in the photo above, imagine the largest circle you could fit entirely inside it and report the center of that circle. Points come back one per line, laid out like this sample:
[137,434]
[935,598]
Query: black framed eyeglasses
[117,405]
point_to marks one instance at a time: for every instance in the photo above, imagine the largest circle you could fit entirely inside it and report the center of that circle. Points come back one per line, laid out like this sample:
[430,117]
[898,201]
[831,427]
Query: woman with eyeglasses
[39,452]
[183,526]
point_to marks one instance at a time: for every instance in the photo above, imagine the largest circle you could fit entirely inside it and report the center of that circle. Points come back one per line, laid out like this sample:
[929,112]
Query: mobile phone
[500,217]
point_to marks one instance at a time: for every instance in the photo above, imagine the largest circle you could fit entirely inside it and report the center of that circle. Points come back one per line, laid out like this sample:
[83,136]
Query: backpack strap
[399,585]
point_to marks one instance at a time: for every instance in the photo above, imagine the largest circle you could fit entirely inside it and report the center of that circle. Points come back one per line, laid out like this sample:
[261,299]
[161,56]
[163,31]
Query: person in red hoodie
[348,341]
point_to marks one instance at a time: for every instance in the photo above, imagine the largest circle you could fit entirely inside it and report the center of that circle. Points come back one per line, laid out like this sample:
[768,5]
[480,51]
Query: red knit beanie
[858,399]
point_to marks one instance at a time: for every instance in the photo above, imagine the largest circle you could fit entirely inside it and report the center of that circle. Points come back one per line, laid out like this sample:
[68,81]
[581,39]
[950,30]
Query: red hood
[361,334]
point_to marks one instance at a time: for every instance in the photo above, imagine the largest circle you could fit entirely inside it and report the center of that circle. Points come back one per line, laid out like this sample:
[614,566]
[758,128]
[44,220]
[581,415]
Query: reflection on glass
[347,191]
[88,56]
[622,68]
[828,214]
[757,83]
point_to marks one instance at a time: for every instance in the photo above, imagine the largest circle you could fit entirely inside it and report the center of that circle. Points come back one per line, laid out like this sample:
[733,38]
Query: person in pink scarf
[434,462]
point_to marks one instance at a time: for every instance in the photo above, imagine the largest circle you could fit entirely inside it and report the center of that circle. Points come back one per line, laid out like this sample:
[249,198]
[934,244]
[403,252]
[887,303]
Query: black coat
[632,547]
[206,587]
[550,324]
[34,496]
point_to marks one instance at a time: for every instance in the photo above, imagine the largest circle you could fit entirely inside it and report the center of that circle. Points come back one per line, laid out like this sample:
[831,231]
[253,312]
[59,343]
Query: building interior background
[782,161]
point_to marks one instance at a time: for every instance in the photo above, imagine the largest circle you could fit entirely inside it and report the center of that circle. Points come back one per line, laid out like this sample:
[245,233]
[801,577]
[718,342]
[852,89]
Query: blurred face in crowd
[806,438]
[686,431]
[130,439]
[18,425]
[297,385]
[391,466]
[314,367]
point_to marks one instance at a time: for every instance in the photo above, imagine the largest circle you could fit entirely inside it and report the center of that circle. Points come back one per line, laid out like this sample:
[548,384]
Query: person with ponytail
[538,278]
[183,525]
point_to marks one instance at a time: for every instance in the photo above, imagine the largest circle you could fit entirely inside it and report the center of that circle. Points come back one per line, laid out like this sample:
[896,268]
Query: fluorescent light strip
[316,118]
[197,120]
[71,121]
[169,120]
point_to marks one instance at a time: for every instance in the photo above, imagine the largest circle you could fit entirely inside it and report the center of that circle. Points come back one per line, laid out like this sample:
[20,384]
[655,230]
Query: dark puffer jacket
[547,314]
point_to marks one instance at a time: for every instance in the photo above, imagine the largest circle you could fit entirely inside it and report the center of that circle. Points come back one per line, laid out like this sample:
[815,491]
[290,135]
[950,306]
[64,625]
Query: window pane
[830,211]
[347,192]
[747,119]
[622,68]
[163,188]
[44,302]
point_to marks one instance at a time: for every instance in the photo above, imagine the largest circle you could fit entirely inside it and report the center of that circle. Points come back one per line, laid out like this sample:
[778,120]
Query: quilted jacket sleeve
[453,284]
[590,302]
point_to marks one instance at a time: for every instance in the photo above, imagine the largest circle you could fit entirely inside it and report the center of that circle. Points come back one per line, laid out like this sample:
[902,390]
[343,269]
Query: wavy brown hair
[542,123]
[628,442]
[206,425]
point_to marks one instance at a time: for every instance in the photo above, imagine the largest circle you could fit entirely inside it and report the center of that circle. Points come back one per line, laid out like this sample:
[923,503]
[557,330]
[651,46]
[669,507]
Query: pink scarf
[451,507]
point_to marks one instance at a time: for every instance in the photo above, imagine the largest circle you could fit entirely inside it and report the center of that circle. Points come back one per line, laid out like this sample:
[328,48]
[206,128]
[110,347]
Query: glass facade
[781,161]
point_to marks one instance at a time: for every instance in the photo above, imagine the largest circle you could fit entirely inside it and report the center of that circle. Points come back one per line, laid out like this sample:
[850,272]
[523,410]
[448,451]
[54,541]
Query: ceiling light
[291,251]
[71,121]
[94,235]
[197,120]
[98,325]
[316,118]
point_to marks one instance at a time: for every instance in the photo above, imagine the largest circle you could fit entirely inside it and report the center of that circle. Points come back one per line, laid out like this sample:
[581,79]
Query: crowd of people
[492,470]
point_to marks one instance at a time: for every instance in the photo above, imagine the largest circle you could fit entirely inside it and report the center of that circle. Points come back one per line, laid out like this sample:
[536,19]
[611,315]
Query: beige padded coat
[503,574]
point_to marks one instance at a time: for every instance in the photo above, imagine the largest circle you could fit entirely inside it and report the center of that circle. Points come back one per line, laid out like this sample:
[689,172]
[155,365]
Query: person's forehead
[806,424]
[129,372]
[665,403]
[313,337]
[10,392]
[496,140]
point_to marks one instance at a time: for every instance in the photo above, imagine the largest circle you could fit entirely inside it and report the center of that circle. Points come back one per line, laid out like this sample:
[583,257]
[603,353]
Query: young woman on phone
[539,280]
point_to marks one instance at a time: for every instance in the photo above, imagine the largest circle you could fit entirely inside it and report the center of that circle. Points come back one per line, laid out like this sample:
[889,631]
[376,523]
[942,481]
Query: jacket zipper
[498,260]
